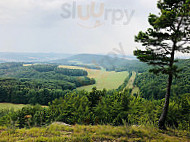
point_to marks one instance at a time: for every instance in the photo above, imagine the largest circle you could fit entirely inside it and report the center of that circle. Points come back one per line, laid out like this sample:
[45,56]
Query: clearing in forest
[104,79]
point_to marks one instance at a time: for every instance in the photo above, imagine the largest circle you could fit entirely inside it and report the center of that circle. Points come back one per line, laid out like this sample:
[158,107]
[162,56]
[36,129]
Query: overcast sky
[48,25]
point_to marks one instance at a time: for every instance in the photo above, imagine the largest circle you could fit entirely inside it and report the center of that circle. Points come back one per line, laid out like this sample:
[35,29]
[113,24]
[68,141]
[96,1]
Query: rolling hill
[110,63]
[30,57]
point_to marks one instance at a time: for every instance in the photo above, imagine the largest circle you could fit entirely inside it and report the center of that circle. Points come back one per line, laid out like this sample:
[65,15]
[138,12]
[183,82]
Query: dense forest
[154,87]
[38,83]
[54,87]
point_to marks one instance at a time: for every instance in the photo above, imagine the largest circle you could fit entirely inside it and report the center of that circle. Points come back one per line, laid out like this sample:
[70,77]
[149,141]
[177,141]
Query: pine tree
[169,33]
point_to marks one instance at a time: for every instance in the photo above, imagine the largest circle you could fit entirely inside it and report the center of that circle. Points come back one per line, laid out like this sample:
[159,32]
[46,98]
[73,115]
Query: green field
[11,106]
[104,79]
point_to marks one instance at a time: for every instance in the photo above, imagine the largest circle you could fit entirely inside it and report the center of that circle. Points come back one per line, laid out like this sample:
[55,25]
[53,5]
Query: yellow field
[27,65]
[104,79]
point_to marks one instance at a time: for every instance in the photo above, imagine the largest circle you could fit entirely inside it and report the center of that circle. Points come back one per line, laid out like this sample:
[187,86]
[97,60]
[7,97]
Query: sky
[66,26]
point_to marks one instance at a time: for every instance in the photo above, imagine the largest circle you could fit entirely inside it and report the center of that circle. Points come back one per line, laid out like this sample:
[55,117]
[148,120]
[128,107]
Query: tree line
[154,87]
[38,83]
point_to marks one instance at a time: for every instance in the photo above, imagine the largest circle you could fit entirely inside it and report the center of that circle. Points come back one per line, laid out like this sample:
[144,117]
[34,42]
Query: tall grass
[81,133]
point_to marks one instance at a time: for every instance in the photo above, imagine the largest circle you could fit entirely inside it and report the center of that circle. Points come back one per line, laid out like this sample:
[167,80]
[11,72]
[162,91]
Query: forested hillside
[154,87]
[38,83]
[53,86]
[30,57]
[79,71]
[110,63]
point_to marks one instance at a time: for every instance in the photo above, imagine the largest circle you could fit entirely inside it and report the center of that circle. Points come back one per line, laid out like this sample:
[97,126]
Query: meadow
[11,106]
[104,79]
[58,132]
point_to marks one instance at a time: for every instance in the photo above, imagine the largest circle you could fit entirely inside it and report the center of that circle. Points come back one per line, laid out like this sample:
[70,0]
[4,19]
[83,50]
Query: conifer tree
[169,34]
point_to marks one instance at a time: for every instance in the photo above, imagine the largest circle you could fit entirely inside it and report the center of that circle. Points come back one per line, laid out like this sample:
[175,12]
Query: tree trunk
[161,123]
[162,120]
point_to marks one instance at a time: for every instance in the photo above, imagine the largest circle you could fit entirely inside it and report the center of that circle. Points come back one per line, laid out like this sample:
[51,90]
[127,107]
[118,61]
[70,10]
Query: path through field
[130,84]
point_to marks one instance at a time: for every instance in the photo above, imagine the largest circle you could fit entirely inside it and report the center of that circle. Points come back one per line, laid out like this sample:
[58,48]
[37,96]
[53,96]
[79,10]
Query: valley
[36,96]
[122,80]
[104,79]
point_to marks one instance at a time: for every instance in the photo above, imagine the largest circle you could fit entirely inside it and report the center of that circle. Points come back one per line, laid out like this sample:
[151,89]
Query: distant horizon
[63,53]
[184,56]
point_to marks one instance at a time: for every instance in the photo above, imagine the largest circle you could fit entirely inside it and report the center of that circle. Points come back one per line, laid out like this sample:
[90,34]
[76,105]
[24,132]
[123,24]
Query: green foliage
[38,83]
[154,87]
[94,107]
[26,117]
[29,92]
[45,73]
[72,72]
[10,65]
[169,33]
[86,108]
[44,68]
[101,107]
[122,86]
[112,109]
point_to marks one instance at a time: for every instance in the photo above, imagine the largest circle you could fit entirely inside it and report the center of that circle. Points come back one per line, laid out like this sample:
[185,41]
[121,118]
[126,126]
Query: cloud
[37,26]
[14,10]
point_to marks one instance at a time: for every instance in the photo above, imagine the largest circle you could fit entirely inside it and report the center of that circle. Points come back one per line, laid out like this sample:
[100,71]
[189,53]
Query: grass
[135,90]
[130,85]
[104,79]
[131,81]
[101,133]
[14,106]
[11,106]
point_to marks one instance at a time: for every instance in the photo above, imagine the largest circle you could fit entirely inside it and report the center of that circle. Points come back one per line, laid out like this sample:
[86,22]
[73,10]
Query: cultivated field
[104,79]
